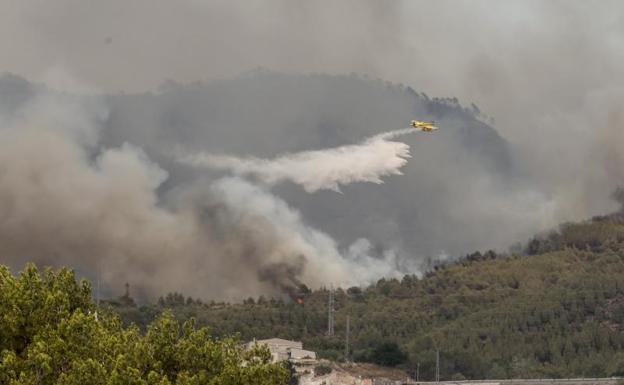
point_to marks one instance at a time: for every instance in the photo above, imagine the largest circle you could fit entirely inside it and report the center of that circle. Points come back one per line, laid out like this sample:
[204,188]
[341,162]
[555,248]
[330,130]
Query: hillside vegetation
[555,311]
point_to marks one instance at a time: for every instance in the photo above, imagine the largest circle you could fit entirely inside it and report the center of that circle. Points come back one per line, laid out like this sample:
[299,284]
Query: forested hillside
[557,310]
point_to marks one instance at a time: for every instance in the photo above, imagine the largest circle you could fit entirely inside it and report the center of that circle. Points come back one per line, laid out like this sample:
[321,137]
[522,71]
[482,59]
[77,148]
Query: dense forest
[51,332]
[555,310]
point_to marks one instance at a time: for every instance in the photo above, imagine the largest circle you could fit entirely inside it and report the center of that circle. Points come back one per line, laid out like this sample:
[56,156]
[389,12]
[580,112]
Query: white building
[285,350]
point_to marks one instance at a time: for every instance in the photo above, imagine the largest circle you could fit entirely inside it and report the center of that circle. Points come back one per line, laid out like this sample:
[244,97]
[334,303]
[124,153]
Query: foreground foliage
[50,333]
[555,311]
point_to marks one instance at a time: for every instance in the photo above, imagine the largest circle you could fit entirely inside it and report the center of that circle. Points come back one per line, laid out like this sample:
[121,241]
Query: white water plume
[326,169]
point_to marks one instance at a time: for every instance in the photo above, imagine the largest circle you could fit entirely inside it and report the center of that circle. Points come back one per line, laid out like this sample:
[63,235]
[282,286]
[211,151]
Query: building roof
[302,354]
[280,342]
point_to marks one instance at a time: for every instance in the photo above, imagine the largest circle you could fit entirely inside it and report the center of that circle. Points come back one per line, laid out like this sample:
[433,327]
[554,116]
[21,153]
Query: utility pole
[97,292]
[418,372]
[330,312]
[305,319]
[437,374]
[347,342]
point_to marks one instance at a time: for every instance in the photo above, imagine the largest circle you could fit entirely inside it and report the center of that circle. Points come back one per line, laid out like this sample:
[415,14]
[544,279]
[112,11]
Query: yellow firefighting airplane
[424,126]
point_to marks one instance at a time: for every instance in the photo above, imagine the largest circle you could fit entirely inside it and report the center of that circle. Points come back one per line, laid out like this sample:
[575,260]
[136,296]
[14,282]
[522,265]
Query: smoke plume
[66,200]
[88,182]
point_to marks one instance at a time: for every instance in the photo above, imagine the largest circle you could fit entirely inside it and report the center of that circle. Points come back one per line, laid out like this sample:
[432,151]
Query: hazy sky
[512,58]
[472,49]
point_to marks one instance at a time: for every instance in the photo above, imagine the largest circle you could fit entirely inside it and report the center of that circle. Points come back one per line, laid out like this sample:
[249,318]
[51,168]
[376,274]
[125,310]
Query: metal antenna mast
[347,342]
[97,295]
[437,366]
[330,312]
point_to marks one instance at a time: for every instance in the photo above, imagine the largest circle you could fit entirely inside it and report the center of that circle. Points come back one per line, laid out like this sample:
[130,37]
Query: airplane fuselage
[423,125]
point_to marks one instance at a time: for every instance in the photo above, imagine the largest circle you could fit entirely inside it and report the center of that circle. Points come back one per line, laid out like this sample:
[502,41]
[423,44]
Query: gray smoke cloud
[107,196]
[77,45]
[548,74]
[66,200]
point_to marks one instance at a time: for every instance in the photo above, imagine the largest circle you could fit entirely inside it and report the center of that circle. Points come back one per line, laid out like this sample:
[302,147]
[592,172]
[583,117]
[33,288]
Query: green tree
[388,354]
[51,333]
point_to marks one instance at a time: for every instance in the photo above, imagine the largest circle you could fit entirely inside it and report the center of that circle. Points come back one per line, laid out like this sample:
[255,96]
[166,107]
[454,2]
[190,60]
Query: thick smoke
[101,203]
[277,234]
[322,169]
[66,200]
[117,46]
